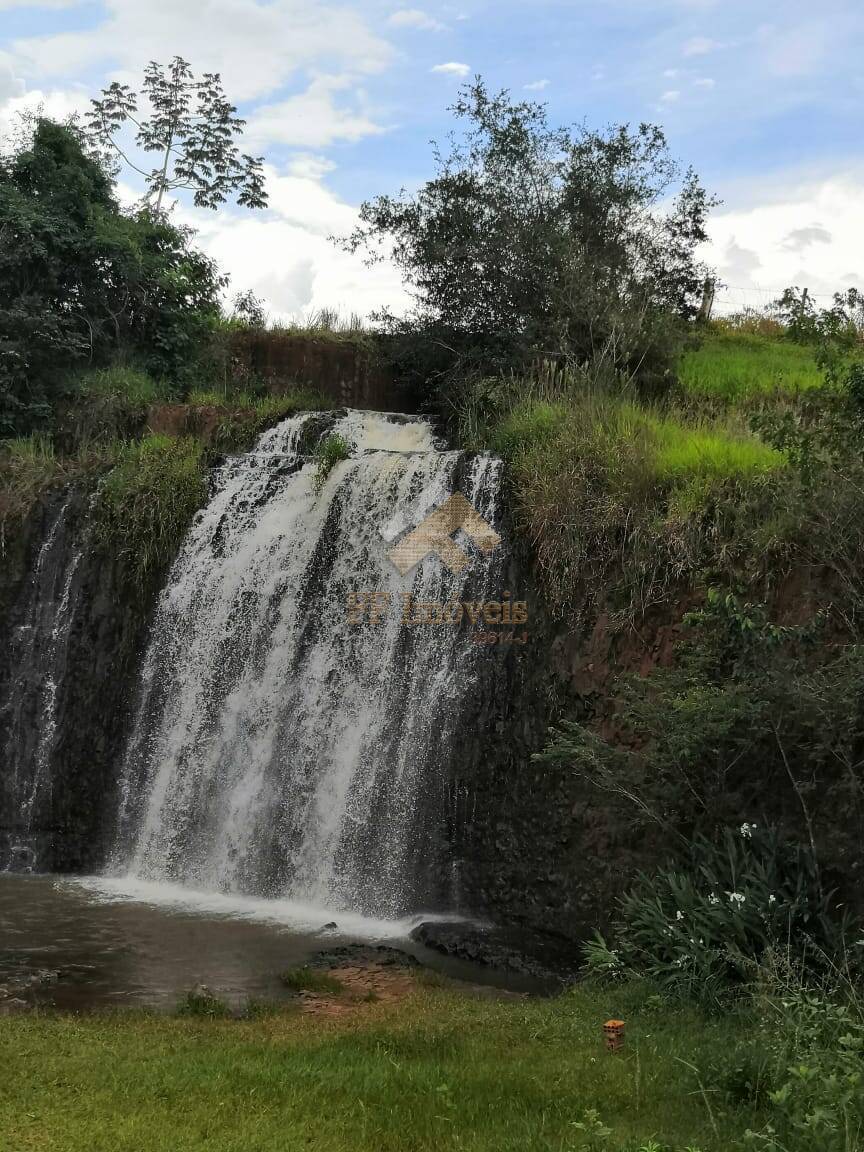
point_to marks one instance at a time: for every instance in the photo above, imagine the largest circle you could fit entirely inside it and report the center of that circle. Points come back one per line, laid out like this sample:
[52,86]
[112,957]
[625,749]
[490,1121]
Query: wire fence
[729,298]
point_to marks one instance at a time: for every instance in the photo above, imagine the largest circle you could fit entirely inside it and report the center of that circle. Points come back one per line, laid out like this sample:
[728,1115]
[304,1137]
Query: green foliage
[105,405]
[191,127]
[836,332]
[702,926]
[30,466]
[616,496]
[81,282]
[201,1002]
[539,239]
[815,1048]
[752,717]
[735,365]
[146,503]
[311,980]
[248,416]
[331,450]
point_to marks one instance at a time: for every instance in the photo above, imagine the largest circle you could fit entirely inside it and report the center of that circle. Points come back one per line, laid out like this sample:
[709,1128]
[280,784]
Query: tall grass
[320,321]
[146,503]
[618,498]
[122,381]
[736,364]
[30,466]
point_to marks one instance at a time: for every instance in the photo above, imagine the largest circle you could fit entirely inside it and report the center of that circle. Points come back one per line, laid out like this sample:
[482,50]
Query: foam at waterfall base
[287,913]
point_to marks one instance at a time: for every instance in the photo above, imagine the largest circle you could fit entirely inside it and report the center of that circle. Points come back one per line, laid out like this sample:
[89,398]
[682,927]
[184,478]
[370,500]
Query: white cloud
[257,46]
[415,18]
[452,69]
[670,73]
[699,46]
[57,104]
[537,85]
[11,85]
[312,119]
[285,257]
[705,82]
[801,238]
[670,97]
[764,246]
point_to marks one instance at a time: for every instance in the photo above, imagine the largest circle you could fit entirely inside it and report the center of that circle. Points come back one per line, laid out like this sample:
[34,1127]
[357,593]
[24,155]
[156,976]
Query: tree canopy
[191,127]
[81,281]
[555,239]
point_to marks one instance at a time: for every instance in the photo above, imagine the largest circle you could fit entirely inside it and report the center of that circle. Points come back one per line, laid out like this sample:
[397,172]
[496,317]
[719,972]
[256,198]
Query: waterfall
[286,744]
[37,665]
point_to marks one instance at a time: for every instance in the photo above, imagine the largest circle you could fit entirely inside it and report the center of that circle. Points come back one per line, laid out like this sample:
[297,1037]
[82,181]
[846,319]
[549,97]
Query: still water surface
[122,942]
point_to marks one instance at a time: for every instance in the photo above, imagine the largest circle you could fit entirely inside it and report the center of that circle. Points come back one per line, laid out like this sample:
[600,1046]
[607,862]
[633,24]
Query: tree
[192,129]
[81,282]
[551,239]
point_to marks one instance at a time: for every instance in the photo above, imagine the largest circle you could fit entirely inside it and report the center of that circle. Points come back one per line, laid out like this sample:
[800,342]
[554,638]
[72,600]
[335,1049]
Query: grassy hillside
[732,365]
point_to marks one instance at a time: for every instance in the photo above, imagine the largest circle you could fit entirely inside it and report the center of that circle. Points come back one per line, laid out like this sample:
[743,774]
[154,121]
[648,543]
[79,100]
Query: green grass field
[735,365]
[438,1070]
[663,448]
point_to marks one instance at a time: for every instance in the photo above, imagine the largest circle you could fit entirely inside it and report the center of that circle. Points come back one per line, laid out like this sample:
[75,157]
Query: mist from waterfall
[278,749]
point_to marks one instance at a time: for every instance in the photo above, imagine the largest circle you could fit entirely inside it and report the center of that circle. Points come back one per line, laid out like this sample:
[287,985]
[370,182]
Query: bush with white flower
[704,926]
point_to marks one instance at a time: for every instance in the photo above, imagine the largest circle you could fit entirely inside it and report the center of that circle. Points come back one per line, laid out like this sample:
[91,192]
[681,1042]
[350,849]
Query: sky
[343,97]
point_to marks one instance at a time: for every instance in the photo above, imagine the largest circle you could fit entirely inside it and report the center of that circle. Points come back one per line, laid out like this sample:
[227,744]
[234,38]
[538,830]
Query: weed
[201,1002]
[311,980]
[146,503]
[328,454]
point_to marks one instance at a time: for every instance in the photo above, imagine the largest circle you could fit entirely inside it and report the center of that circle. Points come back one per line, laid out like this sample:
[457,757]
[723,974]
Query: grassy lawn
[439,1069]
[734,365]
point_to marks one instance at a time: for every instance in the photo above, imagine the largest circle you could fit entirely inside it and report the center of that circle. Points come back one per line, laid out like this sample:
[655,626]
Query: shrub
[703,927]
[813,1039]
[328,454]
[146,503]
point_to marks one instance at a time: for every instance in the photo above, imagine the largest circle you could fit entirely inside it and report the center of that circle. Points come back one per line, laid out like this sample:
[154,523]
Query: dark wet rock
[328,929]
[505,949]
[45,976]
[363,955]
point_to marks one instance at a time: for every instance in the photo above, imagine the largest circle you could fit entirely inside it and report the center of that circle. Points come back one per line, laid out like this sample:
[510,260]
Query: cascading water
[278,748]
[37,666]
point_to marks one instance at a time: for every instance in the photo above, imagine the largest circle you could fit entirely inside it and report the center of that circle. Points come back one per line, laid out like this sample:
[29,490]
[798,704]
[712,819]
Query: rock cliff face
[70,642]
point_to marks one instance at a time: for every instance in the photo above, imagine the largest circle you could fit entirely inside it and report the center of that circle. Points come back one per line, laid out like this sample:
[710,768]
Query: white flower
[736,898]
[772,899]
[747,830]
[713,898]
[679,915]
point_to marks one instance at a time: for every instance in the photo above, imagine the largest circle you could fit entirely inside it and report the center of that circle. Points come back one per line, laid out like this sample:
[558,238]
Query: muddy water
[116,943]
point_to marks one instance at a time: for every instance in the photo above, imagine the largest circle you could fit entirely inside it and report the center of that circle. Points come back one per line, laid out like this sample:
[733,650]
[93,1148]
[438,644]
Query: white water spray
[278,750]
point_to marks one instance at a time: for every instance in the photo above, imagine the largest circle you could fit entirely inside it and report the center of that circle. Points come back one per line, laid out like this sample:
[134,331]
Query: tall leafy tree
[191,127]
[559,240]
[81,281]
